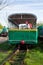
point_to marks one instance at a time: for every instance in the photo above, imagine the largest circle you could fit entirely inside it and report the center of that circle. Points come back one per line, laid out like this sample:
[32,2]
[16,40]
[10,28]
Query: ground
[32,57]
[3,39]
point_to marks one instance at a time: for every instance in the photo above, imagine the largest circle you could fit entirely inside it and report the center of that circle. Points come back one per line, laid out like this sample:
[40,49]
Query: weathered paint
[14,29]
[28,35]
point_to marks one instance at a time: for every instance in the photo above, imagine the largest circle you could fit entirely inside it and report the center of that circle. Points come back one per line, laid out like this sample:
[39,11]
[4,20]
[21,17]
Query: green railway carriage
[27,36]
[40,31]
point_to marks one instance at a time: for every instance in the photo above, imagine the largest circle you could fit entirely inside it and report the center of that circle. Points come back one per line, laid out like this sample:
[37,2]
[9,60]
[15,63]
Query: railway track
[16,57]
[2,63]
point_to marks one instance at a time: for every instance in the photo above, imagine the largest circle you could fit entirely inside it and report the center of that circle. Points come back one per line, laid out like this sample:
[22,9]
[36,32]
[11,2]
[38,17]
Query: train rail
[10,55]
[16,57]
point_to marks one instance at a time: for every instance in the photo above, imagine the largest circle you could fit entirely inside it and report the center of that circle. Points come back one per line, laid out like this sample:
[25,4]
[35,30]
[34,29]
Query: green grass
[5,50]
[3,55]
[33,57]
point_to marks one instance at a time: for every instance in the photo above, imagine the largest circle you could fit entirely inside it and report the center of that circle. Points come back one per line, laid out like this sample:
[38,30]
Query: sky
[8,7]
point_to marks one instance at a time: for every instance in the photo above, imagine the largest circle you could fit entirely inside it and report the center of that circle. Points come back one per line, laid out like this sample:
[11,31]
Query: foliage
[1,26]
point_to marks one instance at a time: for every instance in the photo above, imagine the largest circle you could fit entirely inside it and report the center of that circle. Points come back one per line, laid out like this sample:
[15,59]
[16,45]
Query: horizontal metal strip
[21,40]
[22,29]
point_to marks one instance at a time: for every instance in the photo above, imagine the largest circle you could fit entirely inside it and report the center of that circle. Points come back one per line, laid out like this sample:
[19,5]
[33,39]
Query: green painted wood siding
[27,36]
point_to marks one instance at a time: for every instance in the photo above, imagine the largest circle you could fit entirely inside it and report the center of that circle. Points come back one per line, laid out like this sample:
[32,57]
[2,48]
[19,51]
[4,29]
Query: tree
[1,26]
[3,3]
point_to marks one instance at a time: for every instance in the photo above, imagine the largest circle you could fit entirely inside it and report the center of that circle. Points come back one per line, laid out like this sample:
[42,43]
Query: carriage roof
[22,18]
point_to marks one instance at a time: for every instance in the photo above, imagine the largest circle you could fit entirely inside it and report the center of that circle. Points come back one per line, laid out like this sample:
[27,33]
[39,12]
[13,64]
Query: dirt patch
[3,39]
